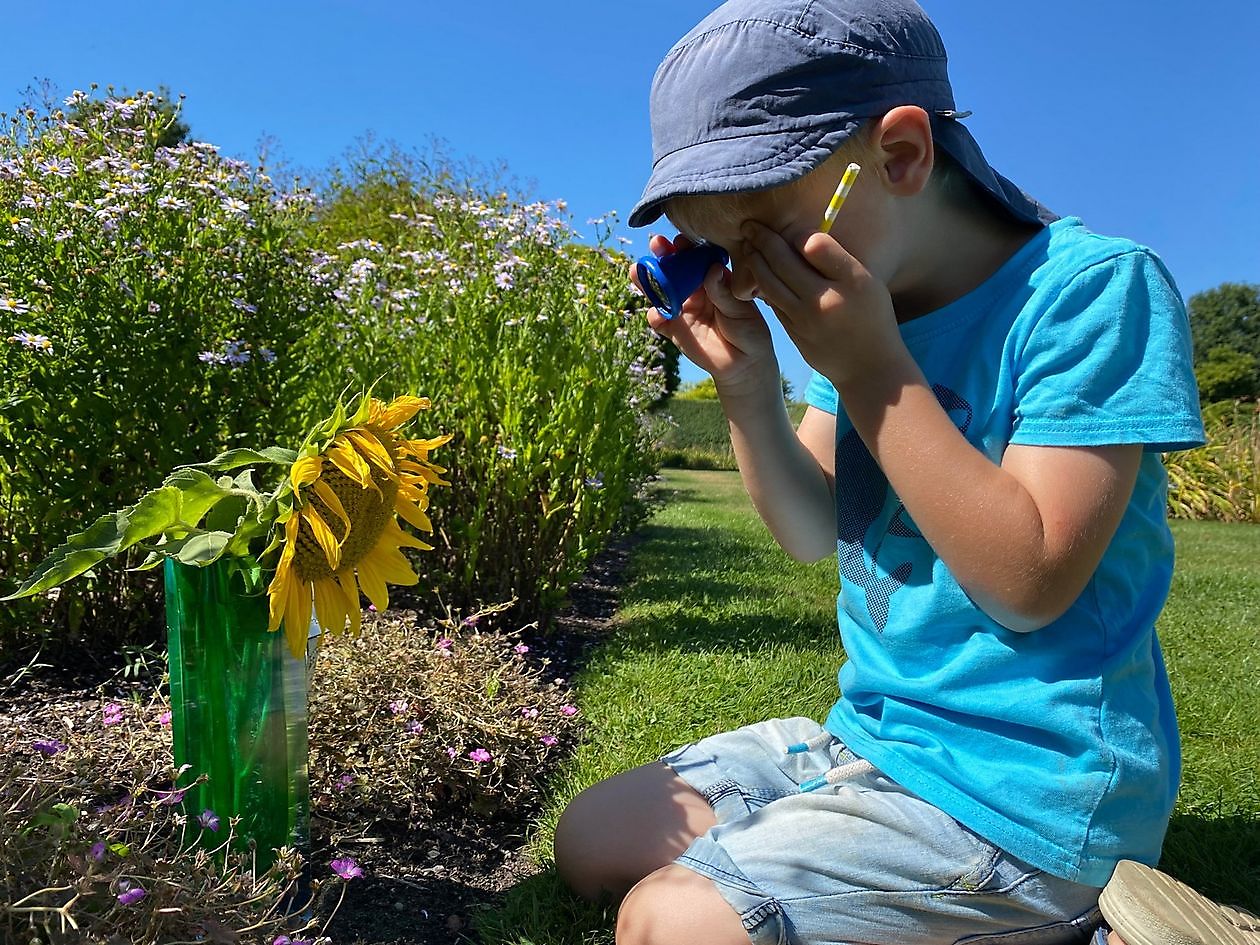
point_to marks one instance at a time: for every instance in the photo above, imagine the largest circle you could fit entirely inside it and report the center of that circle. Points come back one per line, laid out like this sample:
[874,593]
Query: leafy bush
[161,304]
[534,356]
[1221,480]
[153,305]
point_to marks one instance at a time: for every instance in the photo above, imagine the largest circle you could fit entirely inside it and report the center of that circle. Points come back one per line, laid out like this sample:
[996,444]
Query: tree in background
[1225,327]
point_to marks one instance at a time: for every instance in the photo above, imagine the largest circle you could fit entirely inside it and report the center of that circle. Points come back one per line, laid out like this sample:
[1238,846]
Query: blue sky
[1140,117]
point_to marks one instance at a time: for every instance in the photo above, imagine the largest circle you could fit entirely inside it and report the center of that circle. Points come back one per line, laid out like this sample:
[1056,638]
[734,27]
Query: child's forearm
[789,489]
[1022,541]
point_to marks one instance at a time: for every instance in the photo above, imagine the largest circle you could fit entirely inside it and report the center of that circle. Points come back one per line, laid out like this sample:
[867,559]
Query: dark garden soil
[422,881]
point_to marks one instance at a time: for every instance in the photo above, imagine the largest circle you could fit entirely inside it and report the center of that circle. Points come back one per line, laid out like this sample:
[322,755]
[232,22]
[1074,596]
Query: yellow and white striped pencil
[837,199]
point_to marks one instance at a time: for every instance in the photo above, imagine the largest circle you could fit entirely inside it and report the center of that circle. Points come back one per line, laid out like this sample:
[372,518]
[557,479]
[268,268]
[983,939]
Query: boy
[993,386]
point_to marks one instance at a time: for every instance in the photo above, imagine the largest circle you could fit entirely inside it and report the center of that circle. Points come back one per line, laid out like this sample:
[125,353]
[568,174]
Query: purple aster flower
[549,740]
[445,645]
[98,851]
[209,820]
[479,755]
[49,746]
[343,782]
[399,706]
[171,798]
[131,896]
[471,621]
[346,868]
[415,727]
[112,714]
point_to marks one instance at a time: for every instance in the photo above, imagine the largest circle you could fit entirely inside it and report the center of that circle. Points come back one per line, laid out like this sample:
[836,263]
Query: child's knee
[675,905]
[577,844]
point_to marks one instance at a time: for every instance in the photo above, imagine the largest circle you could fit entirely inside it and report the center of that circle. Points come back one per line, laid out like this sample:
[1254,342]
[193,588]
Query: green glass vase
[238,712]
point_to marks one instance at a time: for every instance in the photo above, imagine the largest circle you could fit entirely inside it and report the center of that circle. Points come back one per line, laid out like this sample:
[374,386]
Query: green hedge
[693,434]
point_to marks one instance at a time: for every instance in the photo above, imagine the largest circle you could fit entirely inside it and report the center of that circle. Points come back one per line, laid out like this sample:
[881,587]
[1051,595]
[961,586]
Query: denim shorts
[854,857]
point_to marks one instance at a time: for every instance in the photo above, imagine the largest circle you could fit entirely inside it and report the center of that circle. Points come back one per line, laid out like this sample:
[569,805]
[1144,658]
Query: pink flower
[453,753]
[479,755]
[568,710]
[112,714]
[528,712]
[520,649]
[344,782]
[399,706]
[346,868]
[131,896]
[549,740]
[165,718]
[444,645]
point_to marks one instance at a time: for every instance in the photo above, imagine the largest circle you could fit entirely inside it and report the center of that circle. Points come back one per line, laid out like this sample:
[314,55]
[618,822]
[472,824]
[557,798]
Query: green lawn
[717,627]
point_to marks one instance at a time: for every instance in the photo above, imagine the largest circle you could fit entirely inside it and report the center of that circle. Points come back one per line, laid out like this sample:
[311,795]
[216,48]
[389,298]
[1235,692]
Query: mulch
[423,881]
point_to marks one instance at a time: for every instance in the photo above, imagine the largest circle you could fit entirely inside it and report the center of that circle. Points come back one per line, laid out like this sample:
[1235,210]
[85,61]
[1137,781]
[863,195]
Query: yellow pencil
[837,199]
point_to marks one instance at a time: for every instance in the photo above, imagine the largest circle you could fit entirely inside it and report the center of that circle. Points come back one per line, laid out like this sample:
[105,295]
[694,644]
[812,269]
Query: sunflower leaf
[181,501]
[243,456]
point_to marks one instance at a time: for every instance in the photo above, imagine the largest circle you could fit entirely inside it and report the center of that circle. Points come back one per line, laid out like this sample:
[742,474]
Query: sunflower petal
[306,470]
[323,535]
[345,578]
[330,499]
[413,515]
[281,585]
[330,605]
[370,446]
[404,539]
[398,412]
[346,458]
[297,619]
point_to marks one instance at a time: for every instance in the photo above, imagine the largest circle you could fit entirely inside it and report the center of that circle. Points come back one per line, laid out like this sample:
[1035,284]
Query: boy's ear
[903,141]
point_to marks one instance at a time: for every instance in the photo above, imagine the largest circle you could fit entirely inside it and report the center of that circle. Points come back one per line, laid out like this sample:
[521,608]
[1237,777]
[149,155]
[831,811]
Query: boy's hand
[839,316]
[723,335]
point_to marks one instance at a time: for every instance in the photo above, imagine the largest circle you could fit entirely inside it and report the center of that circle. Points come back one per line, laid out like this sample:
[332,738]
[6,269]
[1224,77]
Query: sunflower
[341,535]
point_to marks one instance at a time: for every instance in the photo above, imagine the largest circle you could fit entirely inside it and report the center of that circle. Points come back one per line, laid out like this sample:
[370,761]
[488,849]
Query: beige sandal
[1146,907]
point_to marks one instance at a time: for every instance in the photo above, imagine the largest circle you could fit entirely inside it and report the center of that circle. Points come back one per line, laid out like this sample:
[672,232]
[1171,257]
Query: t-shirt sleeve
[821,394]
[1110,362]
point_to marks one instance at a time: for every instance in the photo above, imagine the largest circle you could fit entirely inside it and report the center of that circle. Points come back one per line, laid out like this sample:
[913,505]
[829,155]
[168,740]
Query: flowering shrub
[153,304]
[416,723]
[94,847]
[160,304]
[534,353]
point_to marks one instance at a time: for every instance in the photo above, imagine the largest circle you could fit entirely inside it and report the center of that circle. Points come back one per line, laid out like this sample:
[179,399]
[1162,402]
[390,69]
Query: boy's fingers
[831,260]
[785,260]
[769,286]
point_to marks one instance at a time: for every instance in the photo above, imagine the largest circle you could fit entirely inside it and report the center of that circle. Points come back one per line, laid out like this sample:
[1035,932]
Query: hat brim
[952,136]
[736,164]
[722,166]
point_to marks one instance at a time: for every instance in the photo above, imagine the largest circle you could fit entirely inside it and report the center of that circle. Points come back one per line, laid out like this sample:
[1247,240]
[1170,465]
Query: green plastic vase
[238,711]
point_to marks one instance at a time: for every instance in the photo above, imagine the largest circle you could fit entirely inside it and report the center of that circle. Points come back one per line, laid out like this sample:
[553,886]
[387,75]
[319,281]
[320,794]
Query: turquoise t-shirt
[1060,745]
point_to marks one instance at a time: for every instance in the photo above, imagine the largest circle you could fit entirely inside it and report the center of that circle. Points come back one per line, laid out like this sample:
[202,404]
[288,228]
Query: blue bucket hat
[761,92]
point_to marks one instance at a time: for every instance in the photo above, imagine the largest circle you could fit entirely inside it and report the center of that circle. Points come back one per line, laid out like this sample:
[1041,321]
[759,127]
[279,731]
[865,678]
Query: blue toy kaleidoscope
[667,281]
